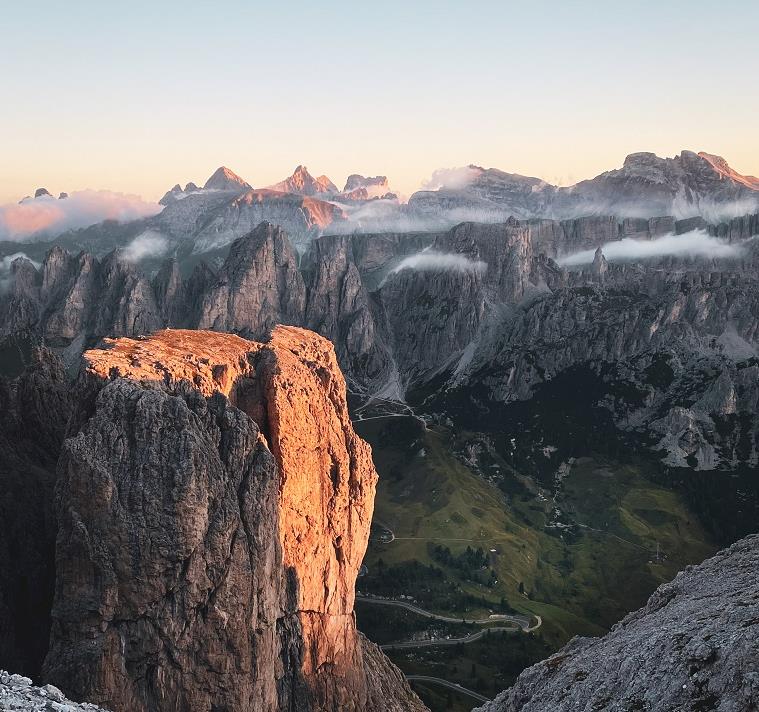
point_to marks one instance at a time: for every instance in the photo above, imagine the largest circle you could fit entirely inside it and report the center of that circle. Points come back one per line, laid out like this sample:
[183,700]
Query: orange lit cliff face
[267,593]
[725,171]
[302,401]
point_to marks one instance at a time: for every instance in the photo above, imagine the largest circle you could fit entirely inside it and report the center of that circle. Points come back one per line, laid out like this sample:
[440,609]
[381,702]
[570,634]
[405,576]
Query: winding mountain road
[446,641]
[451,685]
[523,622]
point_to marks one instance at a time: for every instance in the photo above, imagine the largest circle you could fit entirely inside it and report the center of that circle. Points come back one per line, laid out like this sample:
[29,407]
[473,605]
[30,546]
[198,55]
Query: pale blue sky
[138,96]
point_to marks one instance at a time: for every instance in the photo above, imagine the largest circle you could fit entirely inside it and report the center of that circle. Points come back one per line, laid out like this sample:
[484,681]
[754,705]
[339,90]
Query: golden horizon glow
[137,102]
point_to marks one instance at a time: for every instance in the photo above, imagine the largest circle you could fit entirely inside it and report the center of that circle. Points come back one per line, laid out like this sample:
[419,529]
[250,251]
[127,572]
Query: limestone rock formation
[600,267]
[339,307]
[214,506]
[677,353]
[692,647]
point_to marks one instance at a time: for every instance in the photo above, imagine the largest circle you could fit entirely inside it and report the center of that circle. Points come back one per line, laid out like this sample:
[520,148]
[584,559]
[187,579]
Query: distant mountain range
[198,220]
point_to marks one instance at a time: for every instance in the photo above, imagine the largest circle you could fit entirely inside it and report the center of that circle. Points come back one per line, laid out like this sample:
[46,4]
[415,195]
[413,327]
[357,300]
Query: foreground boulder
[214,506]
[694,646]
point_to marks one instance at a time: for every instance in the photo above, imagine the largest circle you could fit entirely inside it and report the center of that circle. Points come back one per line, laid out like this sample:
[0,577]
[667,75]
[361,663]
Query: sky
[137,96]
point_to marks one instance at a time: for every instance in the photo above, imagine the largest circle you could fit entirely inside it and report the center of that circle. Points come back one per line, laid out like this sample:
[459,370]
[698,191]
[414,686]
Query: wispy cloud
[148,244]
[693,244]
[390,216]
[47,216]
[431,261]
[714,211]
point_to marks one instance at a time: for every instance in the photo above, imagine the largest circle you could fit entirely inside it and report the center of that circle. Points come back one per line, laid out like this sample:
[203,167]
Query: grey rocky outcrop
[694,646]
[18,694]
[339,306]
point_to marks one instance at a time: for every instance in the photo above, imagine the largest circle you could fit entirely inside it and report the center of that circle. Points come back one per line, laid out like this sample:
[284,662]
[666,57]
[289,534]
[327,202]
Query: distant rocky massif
[199,501]
[688,185]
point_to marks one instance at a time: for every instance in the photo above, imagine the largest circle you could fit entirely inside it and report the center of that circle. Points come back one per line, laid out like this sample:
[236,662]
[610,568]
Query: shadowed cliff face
[214,508]
[34,410]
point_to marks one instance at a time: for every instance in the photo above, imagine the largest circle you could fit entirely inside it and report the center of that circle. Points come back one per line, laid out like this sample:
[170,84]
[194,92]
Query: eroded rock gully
[214,506]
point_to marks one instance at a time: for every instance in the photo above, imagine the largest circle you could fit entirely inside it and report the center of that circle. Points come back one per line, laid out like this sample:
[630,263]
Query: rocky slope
[677,352]
[213,508]
[692,647]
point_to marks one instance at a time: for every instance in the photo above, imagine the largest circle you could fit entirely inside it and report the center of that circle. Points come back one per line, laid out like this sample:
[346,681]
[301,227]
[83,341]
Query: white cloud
[453,178]
[692,244]
[147,244]
[7,261]
[48,216]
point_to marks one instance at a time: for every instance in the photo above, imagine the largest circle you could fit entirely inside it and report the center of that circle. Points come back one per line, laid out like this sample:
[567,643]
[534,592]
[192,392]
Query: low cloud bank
[692,244]
[390,216]
[429,261]
[715,212]
[146,245]
[47,216]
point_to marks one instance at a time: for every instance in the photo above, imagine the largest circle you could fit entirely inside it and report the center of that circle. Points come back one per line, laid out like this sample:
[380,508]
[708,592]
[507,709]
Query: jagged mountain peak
[303,183]
[225,179]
